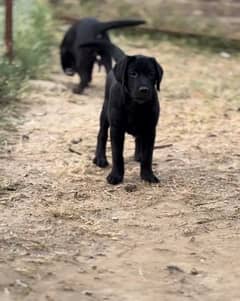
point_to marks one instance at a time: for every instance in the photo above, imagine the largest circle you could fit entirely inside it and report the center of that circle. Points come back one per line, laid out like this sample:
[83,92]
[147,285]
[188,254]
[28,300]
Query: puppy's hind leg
[100,156]
[107,62]
[85,75]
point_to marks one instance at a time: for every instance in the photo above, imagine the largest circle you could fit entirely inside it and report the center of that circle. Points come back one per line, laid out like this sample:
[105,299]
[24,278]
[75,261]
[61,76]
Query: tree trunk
[8,29]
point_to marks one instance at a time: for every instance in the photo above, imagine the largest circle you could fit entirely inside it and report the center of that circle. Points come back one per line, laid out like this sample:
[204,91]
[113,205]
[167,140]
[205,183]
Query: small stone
[192,239]
[87,293]
[76,140]
[174,268]
[212,135]
[115,219]
[21,283]
[225,55]
[25,137]
[101,254]
[194,271]
[131,187]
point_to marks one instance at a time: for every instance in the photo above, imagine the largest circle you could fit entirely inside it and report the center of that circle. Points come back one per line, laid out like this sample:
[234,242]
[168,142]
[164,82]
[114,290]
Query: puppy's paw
[77,90]
[150,178]
[69,71]
[114,178]
[100,161]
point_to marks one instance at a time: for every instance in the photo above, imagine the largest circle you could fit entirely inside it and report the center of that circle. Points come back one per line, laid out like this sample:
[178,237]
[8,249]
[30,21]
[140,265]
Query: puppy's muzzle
[143,94]
[143,90]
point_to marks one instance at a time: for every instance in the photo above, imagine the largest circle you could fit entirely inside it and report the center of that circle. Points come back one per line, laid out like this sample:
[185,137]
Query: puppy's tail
[104,26]
[116,53]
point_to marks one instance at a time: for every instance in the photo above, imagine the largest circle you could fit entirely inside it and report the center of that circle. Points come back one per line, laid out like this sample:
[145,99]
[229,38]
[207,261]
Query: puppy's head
[139,76]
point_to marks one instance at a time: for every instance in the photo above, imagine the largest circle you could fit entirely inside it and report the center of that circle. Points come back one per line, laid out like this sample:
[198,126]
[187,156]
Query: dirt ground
[65,234]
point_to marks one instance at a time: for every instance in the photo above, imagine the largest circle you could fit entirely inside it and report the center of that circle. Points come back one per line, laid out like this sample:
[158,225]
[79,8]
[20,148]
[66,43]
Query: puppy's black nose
[143,90]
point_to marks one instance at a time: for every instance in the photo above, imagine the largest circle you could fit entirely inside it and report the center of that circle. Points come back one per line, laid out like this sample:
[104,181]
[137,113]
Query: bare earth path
[67,235]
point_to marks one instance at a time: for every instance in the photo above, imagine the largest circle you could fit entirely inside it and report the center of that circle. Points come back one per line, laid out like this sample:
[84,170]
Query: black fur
[131,106]
[81,60]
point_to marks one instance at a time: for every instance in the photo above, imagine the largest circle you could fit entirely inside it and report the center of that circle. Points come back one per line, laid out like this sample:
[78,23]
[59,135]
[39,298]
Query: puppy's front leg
[117,142]
[100,156]
[84,69]
[138,150]
[146,159]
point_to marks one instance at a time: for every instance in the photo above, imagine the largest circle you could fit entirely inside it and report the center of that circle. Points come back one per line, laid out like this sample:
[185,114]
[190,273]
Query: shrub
[33,39]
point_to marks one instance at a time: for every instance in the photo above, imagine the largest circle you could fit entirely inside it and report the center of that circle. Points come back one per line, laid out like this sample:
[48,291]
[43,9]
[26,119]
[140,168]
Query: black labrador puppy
[81,60]
[131,106]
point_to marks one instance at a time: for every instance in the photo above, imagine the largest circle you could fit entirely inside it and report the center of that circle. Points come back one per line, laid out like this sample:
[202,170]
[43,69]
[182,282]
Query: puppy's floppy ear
[159,73]
[120,70]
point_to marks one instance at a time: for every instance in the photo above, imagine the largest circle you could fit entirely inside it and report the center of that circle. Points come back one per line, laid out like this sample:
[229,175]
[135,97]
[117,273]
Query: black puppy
[81,60]
[131,105]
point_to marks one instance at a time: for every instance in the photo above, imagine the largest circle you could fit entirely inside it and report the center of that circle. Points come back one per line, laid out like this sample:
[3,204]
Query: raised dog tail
[116,53]
[104,26]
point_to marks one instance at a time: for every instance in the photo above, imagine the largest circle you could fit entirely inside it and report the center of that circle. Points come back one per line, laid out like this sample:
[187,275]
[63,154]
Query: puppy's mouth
[141,100]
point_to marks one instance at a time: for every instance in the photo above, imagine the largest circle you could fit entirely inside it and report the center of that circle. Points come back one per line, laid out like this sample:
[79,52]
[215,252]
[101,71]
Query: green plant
[33,39]
[11,78]
[33,43]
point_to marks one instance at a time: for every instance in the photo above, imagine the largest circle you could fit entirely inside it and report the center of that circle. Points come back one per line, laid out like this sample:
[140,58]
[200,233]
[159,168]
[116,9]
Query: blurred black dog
[131,105]
[81,60]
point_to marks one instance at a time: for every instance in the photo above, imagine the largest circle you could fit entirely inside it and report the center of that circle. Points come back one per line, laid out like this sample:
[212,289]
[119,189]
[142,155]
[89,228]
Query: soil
[65,234]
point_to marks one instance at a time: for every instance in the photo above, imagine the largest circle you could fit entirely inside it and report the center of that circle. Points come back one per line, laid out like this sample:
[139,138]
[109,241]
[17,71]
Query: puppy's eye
[133,74]
[99,36]
[152,74]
